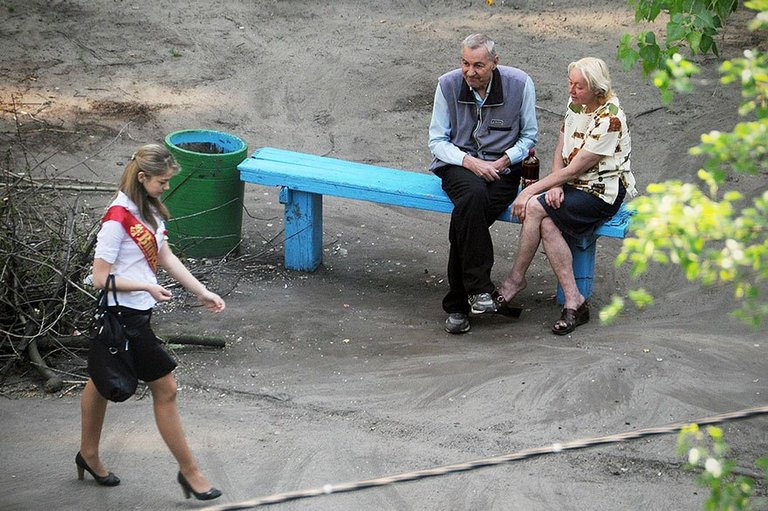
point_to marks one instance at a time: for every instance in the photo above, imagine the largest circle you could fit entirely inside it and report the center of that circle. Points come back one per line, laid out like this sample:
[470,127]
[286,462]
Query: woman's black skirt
[581,213]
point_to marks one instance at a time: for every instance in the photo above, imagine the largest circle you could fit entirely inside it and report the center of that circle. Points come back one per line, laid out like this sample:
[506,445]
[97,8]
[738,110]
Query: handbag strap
[103,297]
[111,280]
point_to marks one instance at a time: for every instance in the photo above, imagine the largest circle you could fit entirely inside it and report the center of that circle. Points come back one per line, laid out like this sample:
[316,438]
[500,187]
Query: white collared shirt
[115,246]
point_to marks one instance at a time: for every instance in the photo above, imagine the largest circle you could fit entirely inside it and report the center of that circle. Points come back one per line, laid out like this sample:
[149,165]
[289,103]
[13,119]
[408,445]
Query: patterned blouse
[603,132]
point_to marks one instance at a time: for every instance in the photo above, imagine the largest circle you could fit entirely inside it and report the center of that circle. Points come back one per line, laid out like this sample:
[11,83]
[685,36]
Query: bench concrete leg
[303,247]
[583,251]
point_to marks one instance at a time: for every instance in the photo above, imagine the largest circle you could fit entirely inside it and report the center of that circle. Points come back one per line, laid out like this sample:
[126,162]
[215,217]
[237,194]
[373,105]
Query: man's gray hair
[476,41]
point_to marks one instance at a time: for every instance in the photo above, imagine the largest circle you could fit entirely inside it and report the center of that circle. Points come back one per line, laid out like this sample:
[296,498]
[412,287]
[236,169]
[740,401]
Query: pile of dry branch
[47,236]
[46,243]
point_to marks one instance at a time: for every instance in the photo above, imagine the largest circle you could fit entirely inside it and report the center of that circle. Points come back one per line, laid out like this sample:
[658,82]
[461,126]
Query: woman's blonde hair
[154,160]
[596,74]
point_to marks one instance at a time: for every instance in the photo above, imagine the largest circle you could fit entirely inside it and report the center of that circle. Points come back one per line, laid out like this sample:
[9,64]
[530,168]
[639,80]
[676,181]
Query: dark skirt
[581,213]
[149,357]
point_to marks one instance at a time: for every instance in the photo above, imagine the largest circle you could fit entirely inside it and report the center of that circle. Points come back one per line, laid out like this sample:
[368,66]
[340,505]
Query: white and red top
[132,254]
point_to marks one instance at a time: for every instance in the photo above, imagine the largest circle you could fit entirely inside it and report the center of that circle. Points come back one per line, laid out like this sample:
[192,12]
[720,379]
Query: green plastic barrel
[205,198]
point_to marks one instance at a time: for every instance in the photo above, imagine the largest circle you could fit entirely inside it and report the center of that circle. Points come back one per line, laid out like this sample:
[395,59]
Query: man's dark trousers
[477,204]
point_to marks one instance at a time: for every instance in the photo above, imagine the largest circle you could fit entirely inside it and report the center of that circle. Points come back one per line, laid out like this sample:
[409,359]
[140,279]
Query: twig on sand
[544,109]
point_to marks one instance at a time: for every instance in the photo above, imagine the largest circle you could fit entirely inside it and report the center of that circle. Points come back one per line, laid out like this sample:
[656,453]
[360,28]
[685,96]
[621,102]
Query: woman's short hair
[476,41]
[595,72]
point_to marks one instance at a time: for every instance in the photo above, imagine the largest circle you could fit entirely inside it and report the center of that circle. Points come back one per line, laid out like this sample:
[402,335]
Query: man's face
[477,67]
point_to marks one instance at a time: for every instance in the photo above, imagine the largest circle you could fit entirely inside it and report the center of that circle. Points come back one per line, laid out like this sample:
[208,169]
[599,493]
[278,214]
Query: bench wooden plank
[330,176]
[386,186]
[305,178]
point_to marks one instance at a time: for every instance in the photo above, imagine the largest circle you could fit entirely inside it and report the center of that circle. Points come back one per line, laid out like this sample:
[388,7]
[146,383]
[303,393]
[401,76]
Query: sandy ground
[346,373]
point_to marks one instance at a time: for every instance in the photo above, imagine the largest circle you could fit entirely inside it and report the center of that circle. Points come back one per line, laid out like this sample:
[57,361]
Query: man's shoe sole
[457,332]
[481,311]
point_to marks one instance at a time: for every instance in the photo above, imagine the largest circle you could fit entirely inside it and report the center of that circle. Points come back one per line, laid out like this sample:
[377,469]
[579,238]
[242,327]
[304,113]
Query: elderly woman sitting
[590,178]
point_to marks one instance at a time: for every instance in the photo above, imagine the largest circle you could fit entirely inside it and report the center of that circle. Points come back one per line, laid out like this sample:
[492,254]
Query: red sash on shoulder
[138,232]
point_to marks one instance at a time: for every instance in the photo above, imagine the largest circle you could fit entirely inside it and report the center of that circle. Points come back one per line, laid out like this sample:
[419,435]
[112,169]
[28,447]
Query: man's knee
[472,199]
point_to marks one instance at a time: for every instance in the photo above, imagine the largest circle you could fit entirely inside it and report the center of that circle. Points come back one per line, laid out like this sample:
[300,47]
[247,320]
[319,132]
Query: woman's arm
[102,269]
[168,260]
[580,164]
[555,195]
[557,157]
[561,174]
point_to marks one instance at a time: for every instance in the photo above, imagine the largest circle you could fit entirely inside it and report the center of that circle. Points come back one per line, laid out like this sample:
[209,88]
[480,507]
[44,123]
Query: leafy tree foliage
[707,453]
[713,234]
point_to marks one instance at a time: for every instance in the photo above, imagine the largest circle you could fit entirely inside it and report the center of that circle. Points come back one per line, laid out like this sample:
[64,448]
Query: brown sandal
[571,318]
[505,308]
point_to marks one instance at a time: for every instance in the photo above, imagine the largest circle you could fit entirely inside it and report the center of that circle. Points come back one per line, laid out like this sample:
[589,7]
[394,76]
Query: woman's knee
[164,389]
[534,210]
[549,230]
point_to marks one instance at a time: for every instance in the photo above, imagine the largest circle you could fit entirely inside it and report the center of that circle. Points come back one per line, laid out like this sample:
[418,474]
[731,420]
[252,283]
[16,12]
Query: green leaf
[675,31]
[627,55]
[651,54]
[694,40]
[704,20]
[648,38]
[610,312]
[641,298]
[708,230]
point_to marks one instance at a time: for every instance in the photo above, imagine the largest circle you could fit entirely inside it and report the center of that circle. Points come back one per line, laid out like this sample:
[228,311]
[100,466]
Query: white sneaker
[482,303]
[457,323]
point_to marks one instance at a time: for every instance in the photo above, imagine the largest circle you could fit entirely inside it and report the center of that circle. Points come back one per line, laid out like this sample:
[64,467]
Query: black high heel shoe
[108,480]
[211,494]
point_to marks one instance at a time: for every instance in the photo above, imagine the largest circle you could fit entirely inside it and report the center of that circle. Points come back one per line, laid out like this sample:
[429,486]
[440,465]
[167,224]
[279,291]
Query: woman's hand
[555,196]
[211,300]
[178,271]
[159,293]
[519,205]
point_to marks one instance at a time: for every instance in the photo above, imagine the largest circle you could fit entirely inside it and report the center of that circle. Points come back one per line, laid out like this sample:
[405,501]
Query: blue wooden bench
[305,178]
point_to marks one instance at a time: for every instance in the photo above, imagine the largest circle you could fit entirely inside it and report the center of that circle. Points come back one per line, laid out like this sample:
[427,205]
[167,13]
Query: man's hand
[487,170]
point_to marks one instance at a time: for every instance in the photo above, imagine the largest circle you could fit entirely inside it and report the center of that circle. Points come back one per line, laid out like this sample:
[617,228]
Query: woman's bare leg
[561,259]
[93,408]
[530,237]
[169,424]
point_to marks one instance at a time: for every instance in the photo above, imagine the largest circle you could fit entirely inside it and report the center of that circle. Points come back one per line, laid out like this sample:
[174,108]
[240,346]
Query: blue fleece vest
[484,132]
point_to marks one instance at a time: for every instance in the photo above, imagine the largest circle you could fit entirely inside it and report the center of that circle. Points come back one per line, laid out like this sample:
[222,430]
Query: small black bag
[110,362]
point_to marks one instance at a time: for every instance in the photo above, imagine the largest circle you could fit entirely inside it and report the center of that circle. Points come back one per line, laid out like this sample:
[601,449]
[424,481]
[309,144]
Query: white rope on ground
[485,462]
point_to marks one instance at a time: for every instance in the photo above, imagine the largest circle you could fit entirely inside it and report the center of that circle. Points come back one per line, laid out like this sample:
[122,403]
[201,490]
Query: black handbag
[110,361]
